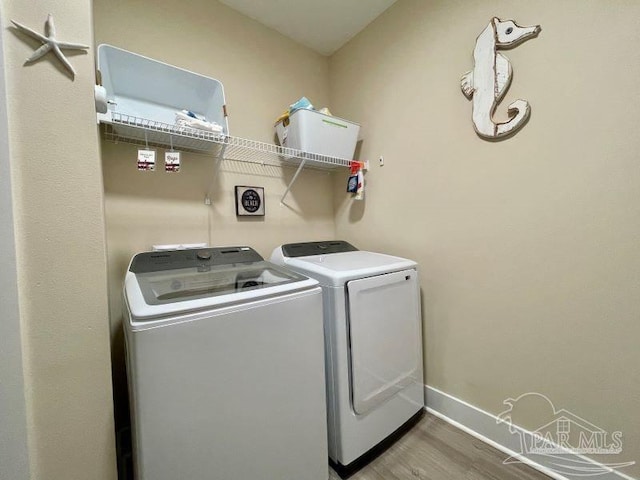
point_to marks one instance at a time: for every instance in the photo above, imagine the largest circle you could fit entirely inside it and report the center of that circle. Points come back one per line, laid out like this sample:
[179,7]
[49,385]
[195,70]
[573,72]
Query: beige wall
[262,73]
[61,261]
[528,247]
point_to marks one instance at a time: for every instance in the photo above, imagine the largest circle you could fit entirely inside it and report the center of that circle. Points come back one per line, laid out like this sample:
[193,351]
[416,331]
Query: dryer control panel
[316,248]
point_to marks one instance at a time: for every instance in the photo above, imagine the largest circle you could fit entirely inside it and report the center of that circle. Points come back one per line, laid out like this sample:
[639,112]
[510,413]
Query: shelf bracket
[295,177]
[223,149]
[221,154]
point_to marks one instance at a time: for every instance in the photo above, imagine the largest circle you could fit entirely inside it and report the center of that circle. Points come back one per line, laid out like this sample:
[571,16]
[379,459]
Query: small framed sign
[171,161]
[146,160]
[249,201]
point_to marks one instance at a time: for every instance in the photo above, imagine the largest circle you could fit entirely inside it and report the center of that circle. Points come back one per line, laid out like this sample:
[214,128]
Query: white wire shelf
[141,131]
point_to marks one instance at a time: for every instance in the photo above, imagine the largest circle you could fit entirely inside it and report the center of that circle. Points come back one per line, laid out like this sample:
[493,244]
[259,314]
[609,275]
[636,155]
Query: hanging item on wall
[172,161]
[249,201]
[490,78]
[50,44]
[146,160]
[355,184]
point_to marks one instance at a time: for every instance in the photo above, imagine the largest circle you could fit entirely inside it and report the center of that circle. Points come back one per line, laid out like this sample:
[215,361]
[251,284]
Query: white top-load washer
[373,341]
[225,355]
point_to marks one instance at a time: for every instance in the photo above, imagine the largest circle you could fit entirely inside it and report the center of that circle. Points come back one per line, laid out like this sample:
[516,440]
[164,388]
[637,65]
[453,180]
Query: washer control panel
[203,257]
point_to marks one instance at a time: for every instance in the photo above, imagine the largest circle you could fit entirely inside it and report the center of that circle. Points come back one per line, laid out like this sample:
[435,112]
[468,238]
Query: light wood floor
[435,450]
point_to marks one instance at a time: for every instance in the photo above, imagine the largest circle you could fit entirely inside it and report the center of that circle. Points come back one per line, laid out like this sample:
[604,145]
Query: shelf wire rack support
[295,177]
[121,127]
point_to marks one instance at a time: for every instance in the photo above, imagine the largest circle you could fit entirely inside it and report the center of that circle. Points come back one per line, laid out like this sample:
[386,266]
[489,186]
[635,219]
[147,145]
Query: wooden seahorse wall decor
[490,78]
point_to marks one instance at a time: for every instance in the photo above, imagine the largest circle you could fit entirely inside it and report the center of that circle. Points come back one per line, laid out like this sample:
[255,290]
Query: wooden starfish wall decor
[50,43]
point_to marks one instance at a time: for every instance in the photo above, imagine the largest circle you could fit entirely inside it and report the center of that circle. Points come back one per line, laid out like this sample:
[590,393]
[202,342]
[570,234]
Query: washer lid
[335,269]
[159,293]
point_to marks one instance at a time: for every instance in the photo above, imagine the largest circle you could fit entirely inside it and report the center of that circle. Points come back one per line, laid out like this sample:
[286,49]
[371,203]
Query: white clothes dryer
[373,344]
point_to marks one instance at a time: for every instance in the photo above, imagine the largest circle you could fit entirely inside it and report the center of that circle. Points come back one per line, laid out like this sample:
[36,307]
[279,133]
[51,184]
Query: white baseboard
[485,427]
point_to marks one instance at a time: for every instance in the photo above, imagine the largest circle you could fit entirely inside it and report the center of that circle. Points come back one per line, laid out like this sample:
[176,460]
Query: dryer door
[385,334]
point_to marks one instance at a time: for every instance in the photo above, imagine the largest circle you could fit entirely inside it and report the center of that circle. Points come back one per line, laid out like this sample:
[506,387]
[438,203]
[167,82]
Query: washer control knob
[204,255]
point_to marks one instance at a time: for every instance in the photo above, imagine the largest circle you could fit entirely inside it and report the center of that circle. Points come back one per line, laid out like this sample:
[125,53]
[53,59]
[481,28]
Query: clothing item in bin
[302,104]
[188,119]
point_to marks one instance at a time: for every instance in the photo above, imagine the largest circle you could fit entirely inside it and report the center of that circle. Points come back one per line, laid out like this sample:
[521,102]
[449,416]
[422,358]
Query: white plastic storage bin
[149,92]
[315,132]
